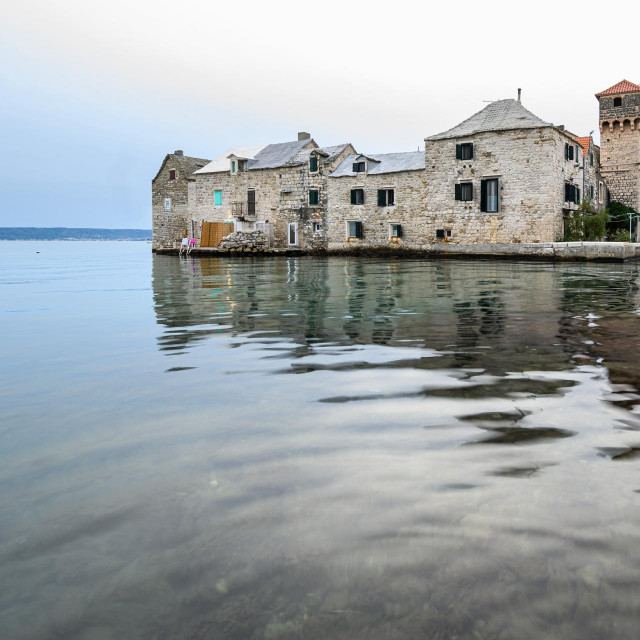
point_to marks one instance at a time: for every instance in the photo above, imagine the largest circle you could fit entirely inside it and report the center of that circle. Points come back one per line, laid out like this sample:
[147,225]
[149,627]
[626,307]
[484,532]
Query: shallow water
[316,447]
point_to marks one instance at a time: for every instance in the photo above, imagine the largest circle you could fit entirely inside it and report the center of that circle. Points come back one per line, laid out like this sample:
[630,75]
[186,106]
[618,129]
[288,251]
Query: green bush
[586,223]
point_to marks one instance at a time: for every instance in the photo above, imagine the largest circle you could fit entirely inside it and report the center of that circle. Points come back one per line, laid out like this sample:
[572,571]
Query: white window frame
[348,223]
[391,225]
[293,225]
[317,227]
[167,204]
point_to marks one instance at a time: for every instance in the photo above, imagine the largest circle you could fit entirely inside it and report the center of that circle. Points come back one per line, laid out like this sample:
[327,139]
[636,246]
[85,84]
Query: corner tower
[620,141]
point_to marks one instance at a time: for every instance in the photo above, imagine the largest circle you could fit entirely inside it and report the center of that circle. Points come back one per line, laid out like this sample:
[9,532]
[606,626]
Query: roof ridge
[624,86]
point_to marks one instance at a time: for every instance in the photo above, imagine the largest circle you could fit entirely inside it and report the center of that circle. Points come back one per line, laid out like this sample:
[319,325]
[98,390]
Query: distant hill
[70,233]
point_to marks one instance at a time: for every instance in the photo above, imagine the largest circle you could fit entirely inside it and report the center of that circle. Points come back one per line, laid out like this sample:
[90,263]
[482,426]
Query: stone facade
[245,242]
[281,196]
[409,189]
[172,199]
[620,143]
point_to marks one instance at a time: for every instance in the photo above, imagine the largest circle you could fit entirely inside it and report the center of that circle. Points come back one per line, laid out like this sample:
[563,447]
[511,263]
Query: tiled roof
[584,143]
[382,163]
[497,116]
[221,163]
[277,155]
[624,86]
[186,165]
[328,153]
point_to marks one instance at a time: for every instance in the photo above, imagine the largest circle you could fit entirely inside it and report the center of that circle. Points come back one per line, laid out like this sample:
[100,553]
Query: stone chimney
[178,152]
[519,94]
[303,135]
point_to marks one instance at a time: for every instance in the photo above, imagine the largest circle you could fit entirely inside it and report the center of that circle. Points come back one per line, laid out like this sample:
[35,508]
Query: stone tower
[620,142]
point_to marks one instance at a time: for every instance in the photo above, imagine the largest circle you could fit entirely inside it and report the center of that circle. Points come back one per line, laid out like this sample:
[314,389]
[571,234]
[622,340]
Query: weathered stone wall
[169,227]
[620,159]
[408,210]
[245,242]
[282,196]
[531,167]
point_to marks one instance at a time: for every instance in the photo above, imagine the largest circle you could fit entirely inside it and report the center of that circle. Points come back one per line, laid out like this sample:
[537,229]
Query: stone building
[281,188]
[172,198]
[502,176]
[620,141]
[593,187]
[376,201]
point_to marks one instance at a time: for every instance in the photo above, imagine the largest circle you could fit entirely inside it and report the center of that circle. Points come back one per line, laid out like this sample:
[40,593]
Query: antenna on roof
[519,94]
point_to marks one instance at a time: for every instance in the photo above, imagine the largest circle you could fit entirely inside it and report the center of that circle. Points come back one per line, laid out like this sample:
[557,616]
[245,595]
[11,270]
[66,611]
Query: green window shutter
[391,197]
[399,230]
[313,163]
[359,231]
[483,195]
[458,192]
[382,198]
[353,196]
[458,152]
[217,198]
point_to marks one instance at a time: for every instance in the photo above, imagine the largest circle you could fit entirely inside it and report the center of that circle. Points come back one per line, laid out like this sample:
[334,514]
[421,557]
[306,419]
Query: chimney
[303,135]
[519,94]
[560,127]
[178,152]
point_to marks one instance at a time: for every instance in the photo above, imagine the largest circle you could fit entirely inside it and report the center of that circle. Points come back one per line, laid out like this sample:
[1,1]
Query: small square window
[464,151]
[354,229]
[617,102]
[314,197]
[395,230]
[217,198]
[386,197]
[167,204]
[357,196]
[172,174]
[464,191]
[359,167]
[313,164]
[441,234]
[317,227]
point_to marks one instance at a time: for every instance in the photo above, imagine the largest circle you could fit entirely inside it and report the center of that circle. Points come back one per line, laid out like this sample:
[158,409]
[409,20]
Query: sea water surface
[331,448]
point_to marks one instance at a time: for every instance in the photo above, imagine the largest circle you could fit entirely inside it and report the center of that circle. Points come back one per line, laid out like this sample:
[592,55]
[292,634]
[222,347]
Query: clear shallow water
[316,448]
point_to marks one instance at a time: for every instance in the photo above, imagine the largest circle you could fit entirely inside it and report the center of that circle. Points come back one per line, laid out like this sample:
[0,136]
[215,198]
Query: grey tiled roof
[276,155]
[185,165]
[383,163]
[328,153]
[497,116]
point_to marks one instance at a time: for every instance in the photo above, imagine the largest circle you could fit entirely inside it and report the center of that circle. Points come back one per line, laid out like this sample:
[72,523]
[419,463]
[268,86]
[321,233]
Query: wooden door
[213,232]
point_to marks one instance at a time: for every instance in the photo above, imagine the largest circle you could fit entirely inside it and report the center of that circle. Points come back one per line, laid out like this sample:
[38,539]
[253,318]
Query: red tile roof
[584,143]
[622,87]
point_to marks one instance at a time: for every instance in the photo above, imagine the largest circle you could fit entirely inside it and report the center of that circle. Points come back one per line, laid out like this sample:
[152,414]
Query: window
[617,102]
[591,158]
[313,164]
[314,197]
[591,192]
[167,204]
[386,197]
[359,167]
[600,191]
[464,191]
[354,229]
[443,233]
[172,174]
[317,227]
[357,196]
[568,151]
[395,231]
[571,193]
[489,201]
[217,198]
[242,165]
[233,166]
[464,151]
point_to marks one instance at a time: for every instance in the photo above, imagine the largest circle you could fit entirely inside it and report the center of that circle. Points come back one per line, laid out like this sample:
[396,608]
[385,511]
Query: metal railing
[243,210]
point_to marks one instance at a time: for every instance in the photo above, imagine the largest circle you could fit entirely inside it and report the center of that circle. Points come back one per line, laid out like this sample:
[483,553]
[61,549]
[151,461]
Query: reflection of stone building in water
[470,313]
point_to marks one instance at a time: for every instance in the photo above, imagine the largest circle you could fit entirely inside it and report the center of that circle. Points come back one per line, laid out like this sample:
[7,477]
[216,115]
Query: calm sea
[318,448]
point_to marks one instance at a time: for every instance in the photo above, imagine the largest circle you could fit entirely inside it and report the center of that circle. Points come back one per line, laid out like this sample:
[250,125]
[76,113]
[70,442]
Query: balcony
[244,211]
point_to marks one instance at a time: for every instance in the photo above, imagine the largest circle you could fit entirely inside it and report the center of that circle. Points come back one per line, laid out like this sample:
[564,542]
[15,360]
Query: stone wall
[282,196]
[620,160]
[245,242]
[408,210]
[531,168]
[169,227]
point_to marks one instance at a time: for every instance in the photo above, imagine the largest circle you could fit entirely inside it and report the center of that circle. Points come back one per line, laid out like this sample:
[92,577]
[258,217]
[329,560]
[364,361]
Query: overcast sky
[94,94]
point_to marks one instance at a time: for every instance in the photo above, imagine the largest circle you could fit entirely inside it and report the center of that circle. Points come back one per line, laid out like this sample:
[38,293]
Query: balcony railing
[243,210]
